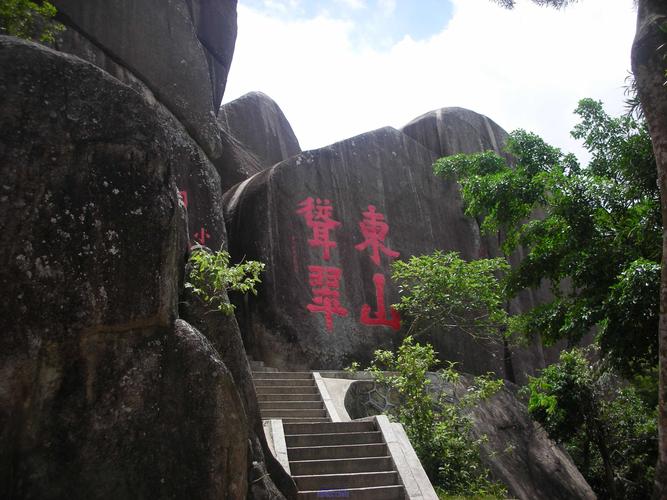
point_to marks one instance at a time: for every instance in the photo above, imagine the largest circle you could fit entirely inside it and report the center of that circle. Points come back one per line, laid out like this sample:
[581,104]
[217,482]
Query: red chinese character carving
[201,236]
[379,318]
[184,197]
[325,282]
[318,217]
[375,229]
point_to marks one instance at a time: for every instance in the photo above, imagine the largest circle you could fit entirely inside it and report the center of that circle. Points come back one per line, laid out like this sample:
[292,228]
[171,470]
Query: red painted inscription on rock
[374,230]
[379,316]
[325,284]
[318,215]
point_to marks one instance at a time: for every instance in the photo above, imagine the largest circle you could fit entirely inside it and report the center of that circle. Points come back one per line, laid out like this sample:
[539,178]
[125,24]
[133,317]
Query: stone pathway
[326,459]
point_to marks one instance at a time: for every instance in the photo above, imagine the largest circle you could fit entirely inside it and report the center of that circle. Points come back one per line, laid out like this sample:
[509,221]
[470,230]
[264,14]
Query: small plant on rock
[438,426]
[211,276]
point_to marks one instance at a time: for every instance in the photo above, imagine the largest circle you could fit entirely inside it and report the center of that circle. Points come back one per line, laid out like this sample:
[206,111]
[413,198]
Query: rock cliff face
[449,131]
[328,223]
[92,248]
[178,51]
[256,135]
[108,176]
[260,125]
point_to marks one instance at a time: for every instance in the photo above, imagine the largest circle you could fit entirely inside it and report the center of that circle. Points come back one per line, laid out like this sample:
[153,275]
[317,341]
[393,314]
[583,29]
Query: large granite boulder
[103,392]
[328,223]
[517,450]
[255,135]
[178,51]
[448,131]
[236,163]
[256,121]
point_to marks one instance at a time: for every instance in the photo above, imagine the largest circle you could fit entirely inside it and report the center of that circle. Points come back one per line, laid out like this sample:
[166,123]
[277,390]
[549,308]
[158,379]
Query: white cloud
[353,4]
[387,7]
[525,68]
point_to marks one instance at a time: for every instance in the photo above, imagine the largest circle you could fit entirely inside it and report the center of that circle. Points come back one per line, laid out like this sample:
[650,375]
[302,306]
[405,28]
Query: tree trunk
[601,441]
[648,65]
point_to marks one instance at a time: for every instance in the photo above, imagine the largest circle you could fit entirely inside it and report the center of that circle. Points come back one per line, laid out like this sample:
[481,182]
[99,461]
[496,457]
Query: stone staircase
[341,460]
[289,396]
[326,459]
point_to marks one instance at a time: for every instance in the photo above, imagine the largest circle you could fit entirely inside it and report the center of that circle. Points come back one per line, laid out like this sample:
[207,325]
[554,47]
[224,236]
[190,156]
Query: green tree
[649,68]
[29,20]
[443,291]
[211,276]
[609,431]
[597,240]
[438,428]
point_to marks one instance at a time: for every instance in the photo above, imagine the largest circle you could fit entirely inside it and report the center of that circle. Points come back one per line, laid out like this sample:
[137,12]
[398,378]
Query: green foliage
[608,429]
[211,277]
[29,20]
[436,426]
[444,291]
[593,233]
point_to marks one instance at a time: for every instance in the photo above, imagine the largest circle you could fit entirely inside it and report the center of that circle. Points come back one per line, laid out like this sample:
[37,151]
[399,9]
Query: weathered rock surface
[326,293]
[223,332]
[180,50]
[449,131]
[517,451]
[256,121]
[236,163]
[103,392]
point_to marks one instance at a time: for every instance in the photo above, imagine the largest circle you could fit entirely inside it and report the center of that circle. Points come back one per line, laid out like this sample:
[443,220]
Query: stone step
[284,382]
[282,375]
[340,466]
[276,389]
[262,398]
[281,413]
[291,405]
[254,363]
[373,493]
[337,438]
[339,481]
[345,451]
[314,420]
[330,428]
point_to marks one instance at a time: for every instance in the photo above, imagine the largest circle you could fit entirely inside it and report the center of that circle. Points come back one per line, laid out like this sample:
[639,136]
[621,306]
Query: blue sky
[338,68]
[376,24]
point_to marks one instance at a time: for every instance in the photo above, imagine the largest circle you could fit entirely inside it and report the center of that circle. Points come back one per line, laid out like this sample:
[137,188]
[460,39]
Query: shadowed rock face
[260,125]
[255,134]
[177,51]
[103,393]
[321,301]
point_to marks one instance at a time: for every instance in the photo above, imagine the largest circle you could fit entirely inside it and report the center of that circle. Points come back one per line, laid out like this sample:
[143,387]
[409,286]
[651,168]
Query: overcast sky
[338,68]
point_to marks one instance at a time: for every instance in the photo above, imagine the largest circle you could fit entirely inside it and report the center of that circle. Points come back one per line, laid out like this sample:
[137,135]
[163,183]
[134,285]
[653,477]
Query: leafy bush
[609,431]
[29,20]
[442,290]
[211,277]
[437,427]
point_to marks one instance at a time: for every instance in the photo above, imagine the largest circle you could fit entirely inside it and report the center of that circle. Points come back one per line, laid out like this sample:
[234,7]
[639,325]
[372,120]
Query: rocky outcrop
[99,378]
[178,51]
[255,134]
[449,131]
[328,223]
[517,450]
[256,121]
